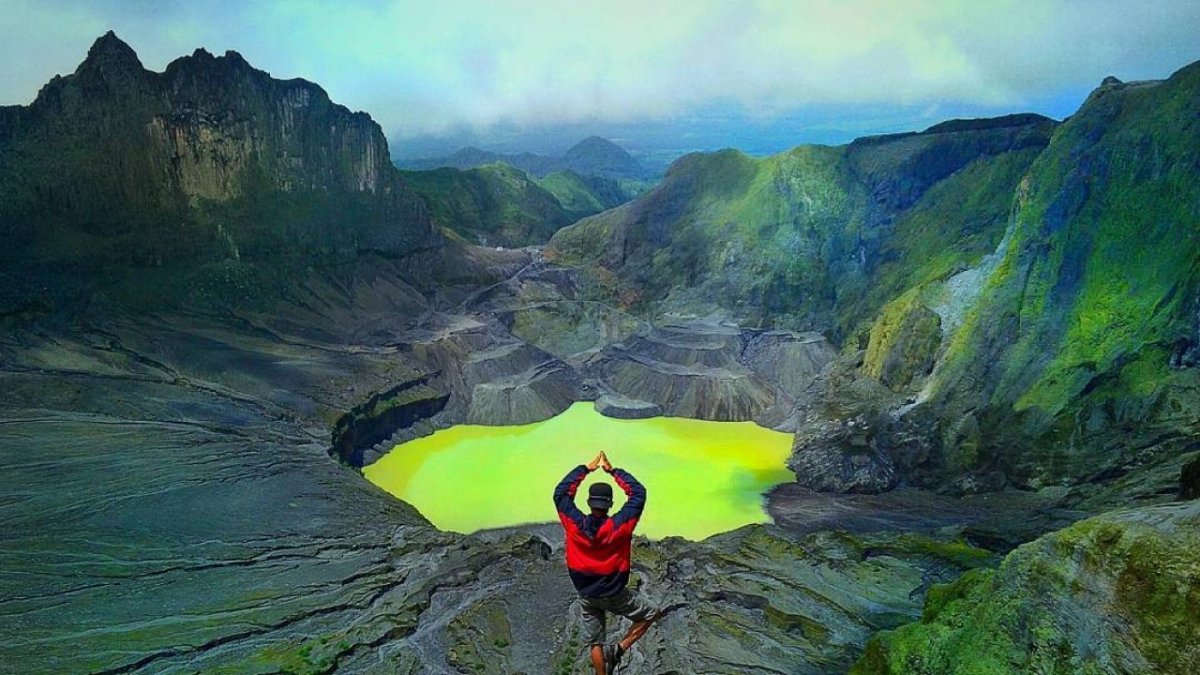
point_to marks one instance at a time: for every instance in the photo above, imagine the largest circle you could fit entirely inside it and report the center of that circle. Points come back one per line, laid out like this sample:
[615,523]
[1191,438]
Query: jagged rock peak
[109,53]
[1110,80]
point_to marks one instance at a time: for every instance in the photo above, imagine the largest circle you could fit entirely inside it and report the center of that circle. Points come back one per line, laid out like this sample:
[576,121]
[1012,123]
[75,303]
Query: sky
[527,74]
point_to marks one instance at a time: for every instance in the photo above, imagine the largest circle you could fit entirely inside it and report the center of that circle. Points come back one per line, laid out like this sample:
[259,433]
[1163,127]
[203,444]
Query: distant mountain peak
[110,54]
[595,144]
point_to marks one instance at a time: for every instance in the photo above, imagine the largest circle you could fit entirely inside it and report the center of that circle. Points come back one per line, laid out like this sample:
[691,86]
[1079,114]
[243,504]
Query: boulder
[620,407]
[842,456]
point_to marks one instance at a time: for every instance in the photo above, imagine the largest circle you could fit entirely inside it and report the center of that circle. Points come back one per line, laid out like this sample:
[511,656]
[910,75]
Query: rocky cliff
[1075,360]
[210,159]
[1119,593]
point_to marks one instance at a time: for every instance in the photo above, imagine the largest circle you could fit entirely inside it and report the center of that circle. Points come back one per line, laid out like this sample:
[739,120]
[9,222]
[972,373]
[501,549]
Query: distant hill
[593,156]
[500,205]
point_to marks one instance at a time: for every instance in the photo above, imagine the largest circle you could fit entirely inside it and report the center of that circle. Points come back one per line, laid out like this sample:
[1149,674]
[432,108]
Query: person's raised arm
[564,492]
[636,493]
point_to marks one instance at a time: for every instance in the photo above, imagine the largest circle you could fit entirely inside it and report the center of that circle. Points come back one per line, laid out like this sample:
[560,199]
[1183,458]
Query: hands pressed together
[601,460]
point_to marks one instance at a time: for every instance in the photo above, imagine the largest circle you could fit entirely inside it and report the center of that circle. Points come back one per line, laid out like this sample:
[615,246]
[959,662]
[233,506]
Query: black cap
[600,496]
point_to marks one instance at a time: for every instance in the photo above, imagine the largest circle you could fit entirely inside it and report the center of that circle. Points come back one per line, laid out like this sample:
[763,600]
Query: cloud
[425,67]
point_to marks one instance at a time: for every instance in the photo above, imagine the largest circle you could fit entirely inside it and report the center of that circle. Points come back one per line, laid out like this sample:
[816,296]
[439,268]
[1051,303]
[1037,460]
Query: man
[598,557]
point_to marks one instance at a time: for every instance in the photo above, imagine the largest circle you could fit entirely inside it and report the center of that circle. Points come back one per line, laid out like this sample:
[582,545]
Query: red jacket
[598,547]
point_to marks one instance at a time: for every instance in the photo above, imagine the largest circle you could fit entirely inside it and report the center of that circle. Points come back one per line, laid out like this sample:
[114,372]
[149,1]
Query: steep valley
[983,338]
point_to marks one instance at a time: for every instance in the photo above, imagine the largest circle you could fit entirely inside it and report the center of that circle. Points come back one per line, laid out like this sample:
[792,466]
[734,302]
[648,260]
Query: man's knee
[638,609]
[593,627]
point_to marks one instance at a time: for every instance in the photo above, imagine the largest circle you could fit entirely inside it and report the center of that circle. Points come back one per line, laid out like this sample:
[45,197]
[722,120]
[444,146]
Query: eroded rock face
[758,599]
[175,474]
[494,379]
[251,518]
[382,415]
[1189,480]
[710,370]
[792,360]
[904,344]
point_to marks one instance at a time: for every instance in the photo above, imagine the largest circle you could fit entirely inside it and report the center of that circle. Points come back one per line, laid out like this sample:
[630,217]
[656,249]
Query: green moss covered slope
[1119,593]
[1083,340]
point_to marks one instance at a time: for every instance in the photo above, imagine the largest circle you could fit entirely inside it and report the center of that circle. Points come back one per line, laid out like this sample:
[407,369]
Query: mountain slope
[1116,593]
[801,239]
[1017,300]
[1089,324]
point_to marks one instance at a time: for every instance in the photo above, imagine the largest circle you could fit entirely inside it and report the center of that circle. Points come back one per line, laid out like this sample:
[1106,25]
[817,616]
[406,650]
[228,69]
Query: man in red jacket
[598,557]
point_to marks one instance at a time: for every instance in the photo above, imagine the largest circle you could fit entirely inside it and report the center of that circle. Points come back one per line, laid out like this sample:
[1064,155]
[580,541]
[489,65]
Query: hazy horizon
[658,79]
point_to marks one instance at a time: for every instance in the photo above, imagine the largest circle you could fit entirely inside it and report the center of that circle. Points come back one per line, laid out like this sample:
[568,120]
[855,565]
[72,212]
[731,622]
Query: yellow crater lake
[701,477]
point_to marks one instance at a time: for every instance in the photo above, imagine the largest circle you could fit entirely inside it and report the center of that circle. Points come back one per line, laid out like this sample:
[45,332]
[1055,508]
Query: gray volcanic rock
[492,379]
[793,360]
[688,370]
[689,391]
[529,396]
[841,457]
[224,539]
[172,506]
[611,405]
[1189,480]
[759,599]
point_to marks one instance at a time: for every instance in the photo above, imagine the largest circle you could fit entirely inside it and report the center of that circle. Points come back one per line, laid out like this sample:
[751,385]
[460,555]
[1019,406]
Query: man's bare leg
[639,628]
[598,659]
[636,631]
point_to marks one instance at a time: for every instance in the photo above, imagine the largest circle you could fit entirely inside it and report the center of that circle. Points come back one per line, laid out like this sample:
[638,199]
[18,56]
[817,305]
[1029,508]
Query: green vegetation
[903,343]
[1095,291]
[1120,591]
[498,204]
